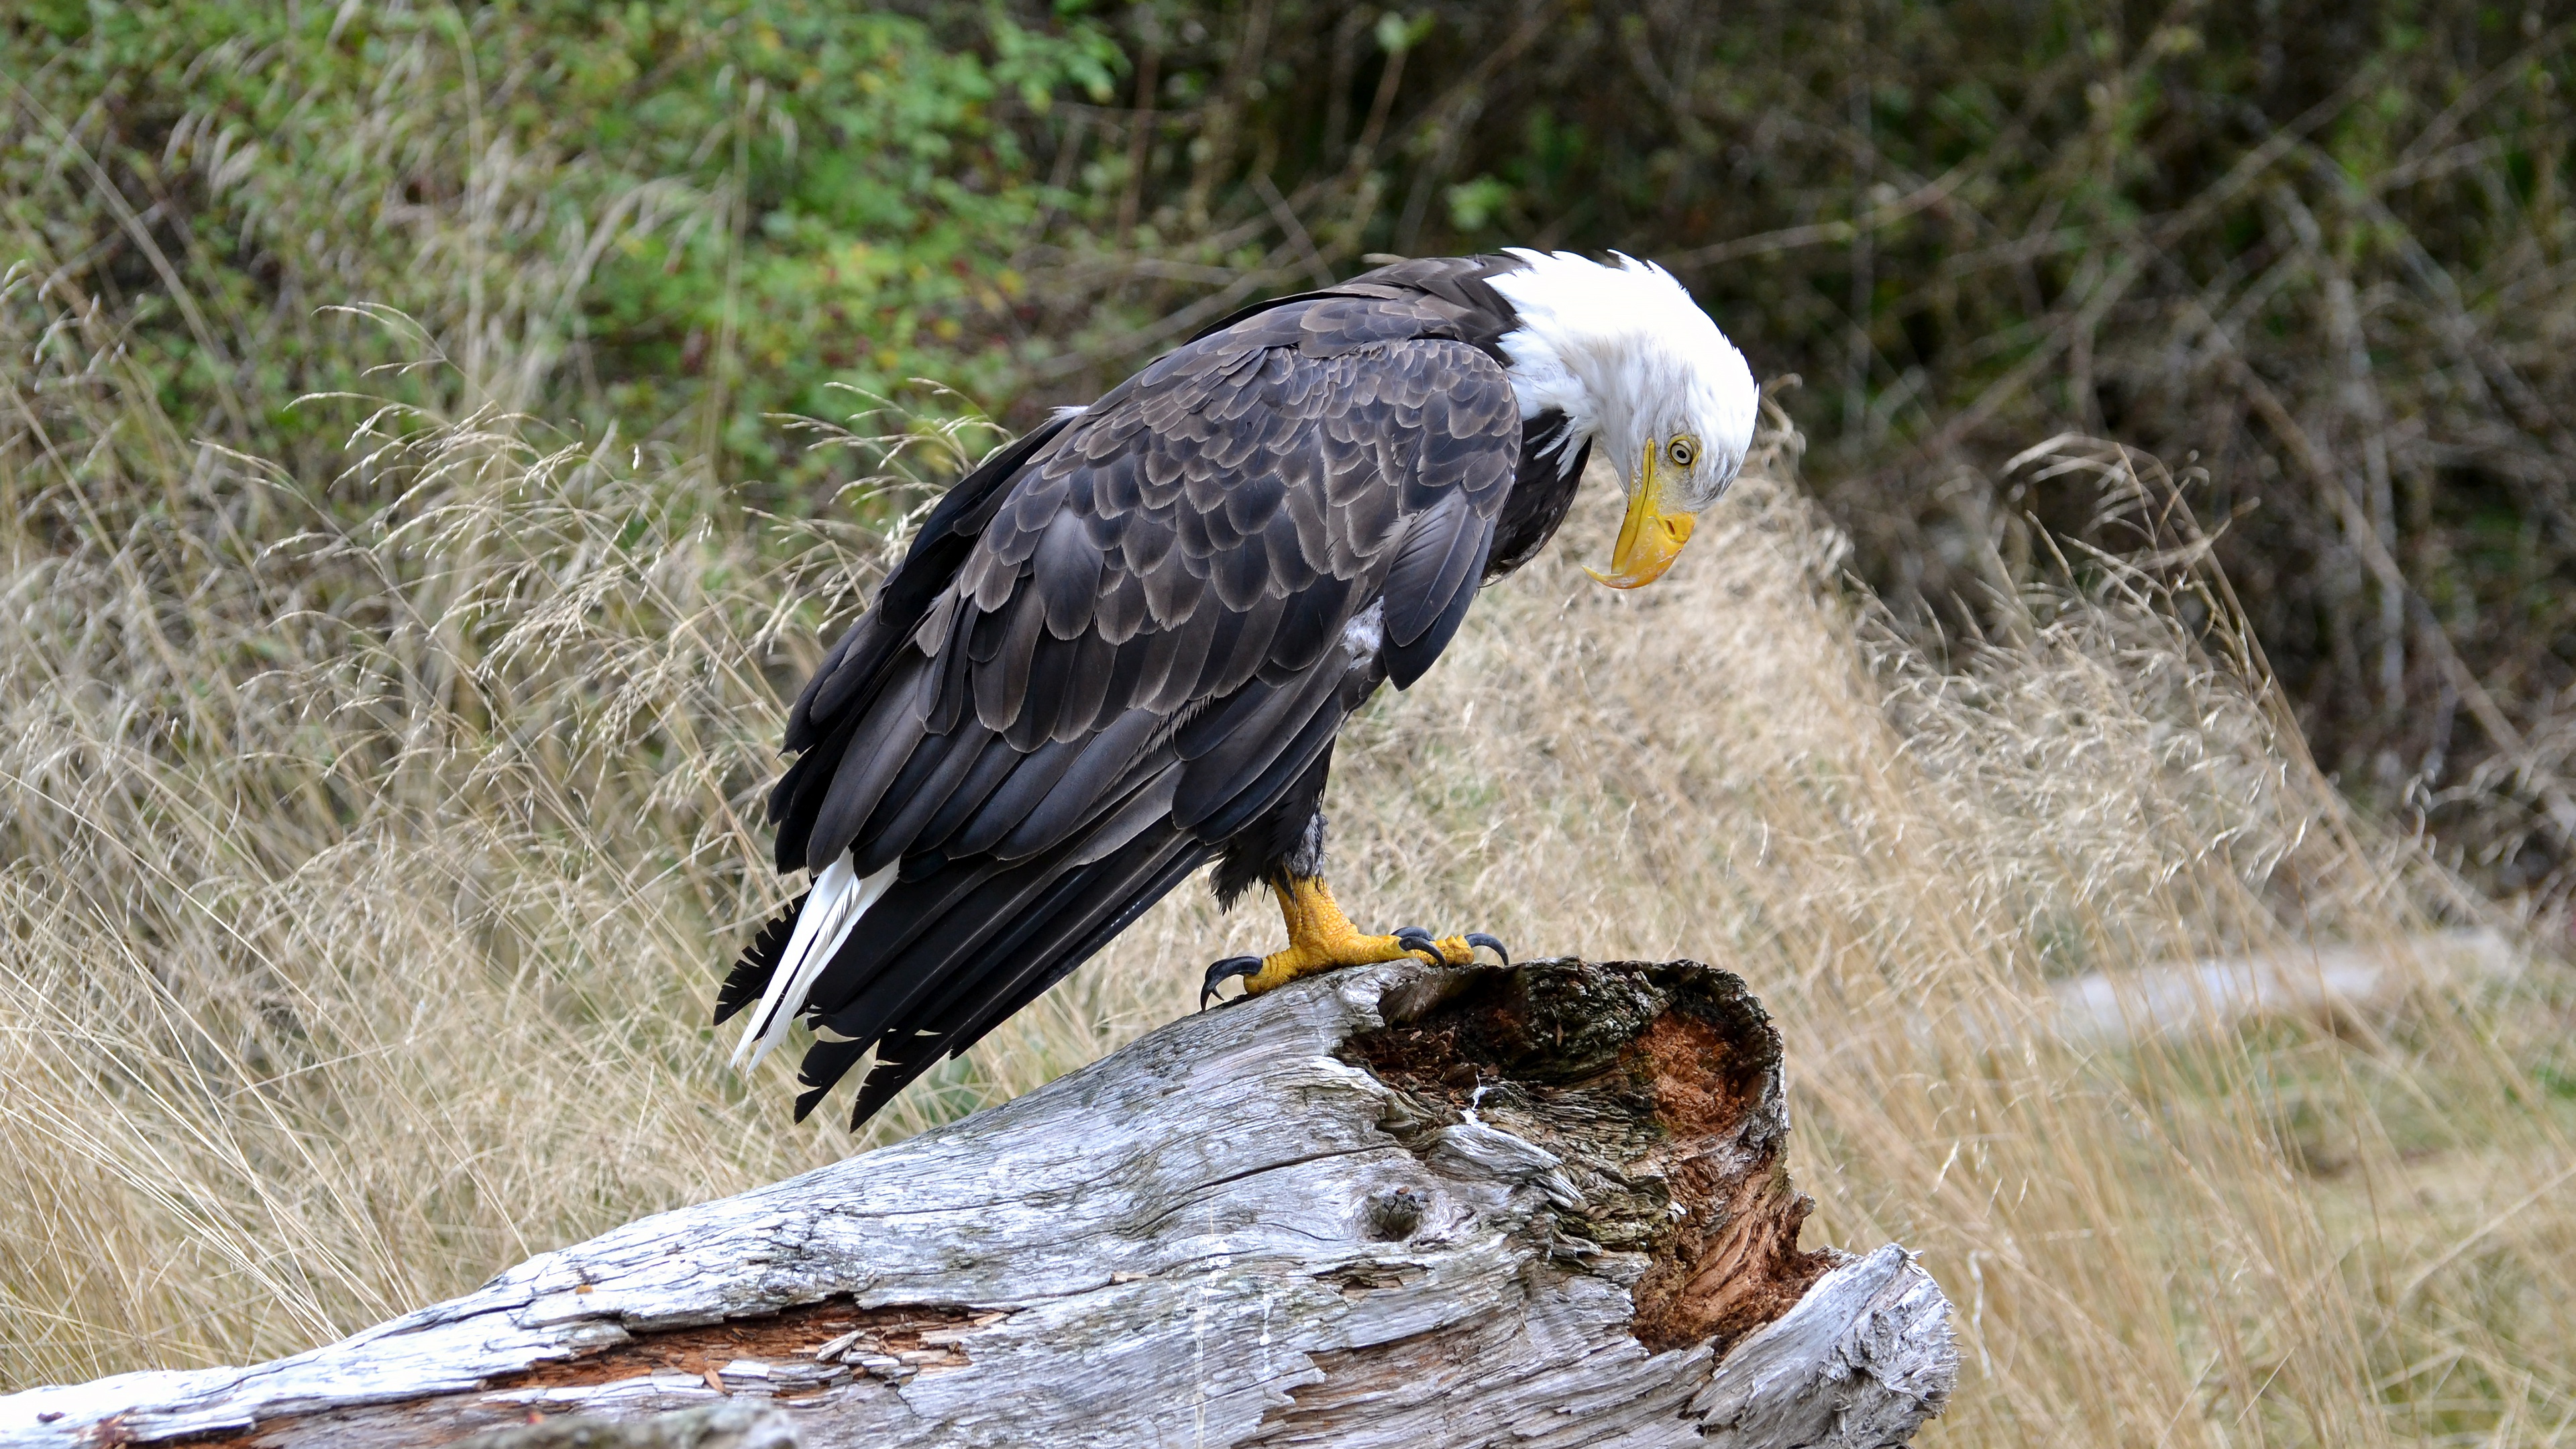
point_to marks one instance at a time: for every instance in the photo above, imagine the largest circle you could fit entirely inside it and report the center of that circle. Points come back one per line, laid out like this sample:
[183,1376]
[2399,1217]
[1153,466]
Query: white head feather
[1634,364]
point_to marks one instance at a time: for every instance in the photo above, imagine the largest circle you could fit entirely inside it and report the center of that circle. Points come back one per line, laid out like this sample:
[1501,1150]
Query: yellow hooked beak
[1649,538]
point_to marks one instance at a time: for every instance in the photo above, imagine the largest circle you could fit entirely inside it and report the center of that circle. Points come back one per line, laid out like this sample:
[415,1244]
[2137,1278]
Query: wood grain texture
[716,1426]
[1545,1205]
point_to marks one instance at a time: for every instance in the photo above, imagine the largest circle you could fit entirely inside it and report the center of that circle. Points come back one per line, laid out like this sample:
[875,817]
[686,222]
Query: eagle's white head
[1640,371]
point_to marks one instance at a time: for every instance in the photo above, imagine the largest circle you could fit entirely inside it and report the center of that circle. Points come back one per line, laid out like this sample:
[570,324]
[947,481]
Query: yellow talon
[1321,938]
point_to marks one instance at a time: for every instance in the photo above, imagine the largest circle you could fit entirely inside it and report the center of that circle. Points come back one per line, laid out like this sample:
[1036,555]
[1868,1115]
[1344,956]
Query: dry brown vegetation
[368,852]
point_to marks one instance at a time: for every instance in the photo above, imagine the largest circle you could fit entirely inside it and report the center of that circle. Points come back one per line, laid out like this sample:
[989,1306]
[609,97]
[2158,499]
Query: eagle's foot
[1450,950]
[1321,938]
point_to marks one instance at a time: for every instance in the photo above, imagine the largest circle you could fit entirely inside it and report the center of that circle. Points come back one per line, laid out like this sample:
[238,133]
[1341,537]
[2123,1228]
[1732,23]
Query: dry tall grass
[368,856]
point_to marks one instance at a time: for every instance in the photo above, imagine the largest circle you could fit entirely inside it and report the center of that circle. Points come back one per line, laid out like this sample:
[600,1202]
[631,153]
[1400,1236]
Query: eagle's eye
[1682,451]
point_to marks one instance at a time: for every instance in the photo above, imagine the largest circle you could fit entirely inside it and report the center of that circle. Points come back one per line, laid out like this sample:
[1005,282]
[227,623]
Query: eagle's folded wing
[1118,642]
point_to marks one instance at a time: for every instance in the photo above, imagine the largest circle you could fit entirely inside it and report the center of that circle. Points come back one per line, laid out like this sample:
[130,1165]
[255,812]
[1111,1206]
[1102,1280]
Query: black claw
[1479,938]
[1419,942]
[1230,966]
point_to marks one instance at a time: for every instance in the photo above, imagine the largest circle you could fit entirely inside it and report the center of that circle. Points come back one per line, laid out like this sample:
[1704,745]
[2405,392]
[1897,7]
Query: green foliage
[1473,204]
[685,217]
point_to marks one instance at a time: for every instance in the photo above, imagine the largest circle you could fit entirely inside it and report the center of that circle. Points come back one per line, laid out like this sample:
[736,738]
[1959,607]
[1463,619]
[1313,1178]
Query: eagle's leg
[1321,938]
[1284,850]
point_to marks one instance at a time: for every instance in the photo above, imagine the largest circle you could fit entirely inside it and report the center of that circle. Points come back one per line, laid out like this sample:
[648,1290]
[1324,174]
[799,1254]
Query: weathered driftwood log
[716,1426]
[1394,1206]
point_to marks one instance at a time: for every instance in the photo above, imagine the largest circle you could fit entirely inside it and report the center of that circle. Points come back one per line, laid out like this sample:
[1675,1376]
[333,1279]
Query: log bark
[1543,1205]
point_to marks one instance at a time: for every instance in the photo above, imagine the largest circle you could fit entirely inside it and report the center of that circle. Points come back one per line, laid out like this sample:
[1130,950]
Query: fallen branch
[1395,1206]
[2121,1008]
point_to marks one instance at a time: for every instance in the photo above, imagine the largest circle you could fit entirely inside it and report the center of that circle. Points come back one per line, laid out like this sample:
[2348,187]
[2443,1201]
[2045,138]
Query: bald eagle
[1120,648]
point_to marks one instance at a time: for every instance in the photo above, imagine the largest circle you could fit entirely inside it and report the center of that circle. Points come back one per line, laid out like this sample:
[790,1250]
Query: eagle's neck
[1579,333]
[1545,384]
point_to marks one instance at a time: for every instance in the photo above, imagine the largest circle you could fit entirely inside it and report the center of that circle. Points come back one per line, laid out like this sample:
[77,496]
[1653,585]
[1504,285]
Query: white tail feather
[831,911]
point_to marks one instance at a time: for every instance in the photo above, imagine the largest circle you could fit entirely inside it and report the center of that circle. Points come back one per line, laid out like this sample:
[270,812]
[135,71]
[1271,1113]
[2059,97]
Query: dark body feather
[1122,647]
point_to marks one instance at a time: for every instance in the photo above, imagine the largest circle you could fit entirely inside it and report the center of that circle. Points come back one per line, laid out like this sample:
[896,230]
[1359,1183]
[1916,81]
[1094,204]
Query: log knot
[1653,1091]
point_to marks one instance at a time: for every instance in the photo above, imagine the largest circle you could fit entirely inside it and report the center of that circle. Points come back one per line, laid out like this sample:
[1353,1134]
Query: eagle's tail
[784,960]
[948,955]
[759,962]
